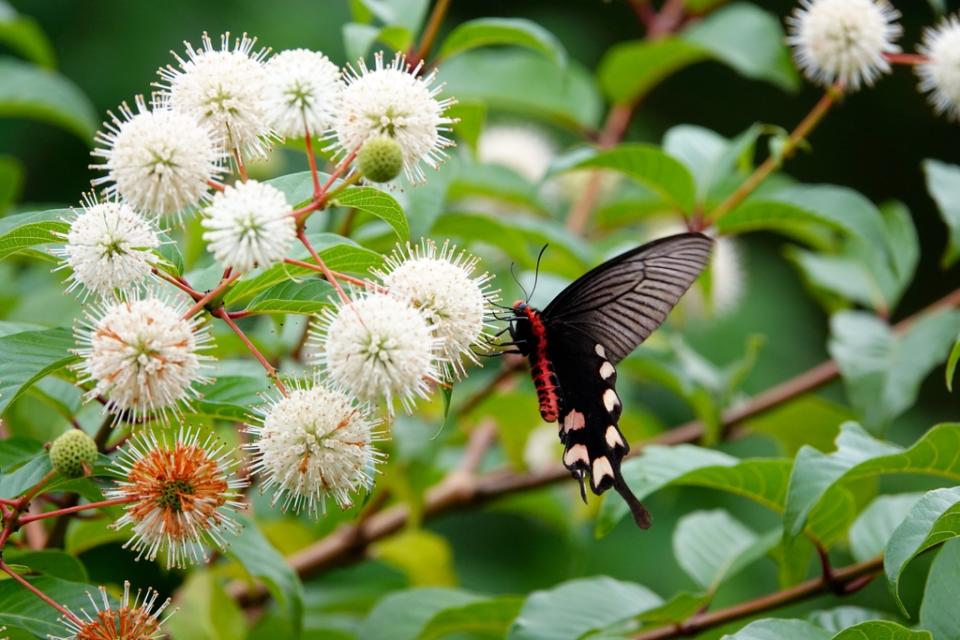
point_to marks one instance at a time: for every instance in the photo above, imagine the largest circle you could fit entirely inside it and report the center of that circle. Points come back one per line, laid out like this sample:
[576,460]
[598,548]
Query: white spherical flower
[526,150]
[314,443]
[303,92]
[393,100]
[180,493]
[161,161]
[249,225]
[142,356]
[843,40]
[109,247]
[940,74]
[379,346]
[440,282]
[225,88]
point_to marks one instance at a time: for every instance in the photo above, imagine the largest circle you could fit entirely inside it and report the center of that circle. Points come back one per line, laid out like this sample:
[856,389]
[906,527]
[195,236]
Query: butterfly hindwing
[589,412]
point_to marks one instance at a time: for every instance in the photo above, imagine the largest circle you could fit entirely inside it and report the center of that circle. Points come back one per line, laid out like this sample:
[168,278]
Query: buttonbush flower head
[225,89]
[142,356]
[940,74]
[182,491]
[378,346]
[843,40]
[136,619]
[314,443]
[526,150]
[303,91]
[108,249]
[249,225]
[393,100]
[160,161]
[440,282]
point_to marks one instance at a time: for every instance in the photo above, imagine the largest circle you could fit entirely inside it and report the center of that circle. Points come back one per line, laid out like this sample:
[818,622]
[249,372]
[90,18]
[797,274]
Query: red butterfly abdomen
[541,368]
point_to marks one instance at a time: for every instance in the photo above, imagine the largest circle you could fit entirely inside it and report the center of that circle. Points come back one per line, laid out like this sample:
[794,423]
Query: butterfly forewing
[621,302]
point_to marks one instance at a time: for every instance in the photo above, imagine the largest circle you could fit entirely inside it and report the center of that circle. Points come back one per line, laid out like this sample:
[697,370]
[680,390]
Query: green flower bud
[380,159]
[70,452]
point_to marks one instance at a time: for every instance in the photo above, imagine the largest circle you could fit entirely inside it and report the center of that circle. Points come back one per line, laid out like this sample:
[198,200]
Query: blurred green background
[874,143]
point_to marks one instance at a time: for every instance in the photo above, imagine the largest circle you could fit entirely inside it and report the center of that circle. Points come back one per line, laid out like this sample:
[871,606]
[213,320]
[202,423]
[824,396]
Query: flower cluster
[852,43]
[133,619]
[179,157]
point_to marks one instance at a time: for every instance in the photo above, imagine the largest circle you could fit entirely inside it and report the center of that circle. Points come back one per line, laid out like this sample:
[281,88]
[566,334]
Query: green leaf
[206,612]
[404,615]
[943,183]
[11,181]
[837,619]
[881,629]
[377,203]
[939,612]
[498,182]
[22,610]
[763,480]
[486,617]
[358,38]
[649,166]
[406,13]
[872,529]
[574,608]
[28,91]
[229,398]
[818,482]
[777,629]
[23,35]
[518,32]
[14,483]
[304,298]
[337,252]
[952,360]
[630,70]
[741,36]
[470,119]
[711,546]
[809,419]
[29,356]
[711,158]
[881,371]
[750,41]
[934,519]
[677,609]
[425,557]
[262,561]
[527,83]
[25,230]
[50,562]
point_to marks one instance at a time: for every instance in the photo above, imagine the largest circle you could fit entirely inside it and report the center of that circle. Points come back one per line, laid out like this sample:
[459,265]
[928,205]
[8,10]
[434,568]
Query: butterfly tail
[640,514]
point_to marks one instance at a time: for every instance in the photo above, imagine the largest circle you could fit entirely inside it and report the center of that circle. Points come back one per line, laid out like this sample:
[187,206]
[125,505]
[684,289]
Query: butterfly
[575,343]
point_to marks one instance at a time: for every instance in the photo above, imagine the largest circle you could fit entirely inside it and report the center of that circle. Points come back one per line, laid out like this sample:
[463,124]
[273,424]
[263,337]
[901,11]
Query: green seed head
[70,452]
[380,159]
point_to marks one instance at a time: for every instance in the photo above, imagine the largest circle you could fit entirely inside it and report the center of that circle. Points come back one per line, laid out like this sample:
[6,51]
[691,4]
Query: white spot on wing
[600,351]
[610,400]
[613,438]
[576,453]
[601,468]
[606,370]
[573,421]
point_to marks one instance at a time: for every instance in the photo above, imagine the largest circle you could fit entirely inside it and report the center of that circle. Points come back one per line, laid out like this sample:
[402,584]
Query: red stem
[241,168]
[909,59]
[336,274]
[215,185]
[228,279]
[179,283]
[76,509]
[302,236]
[271,370]
[311,159]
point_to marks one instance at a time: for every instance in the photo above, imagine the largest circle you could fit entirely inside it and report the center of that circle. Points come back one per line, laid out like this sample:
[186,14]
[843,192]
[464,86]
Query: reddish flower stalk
[76,509]
[40,594]
[228,279]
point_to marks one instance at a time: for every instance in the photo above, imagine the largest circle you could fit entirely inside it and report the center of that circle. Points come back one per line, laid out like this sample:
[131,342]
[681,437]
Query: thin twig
[40,594]
[270,369]
[430,32]
[228,279]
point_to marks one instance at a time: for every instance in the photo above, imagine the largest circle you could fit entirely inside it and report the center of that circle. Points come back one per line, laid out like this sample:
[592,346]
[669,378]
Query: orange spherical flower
[180,492]
[131,621]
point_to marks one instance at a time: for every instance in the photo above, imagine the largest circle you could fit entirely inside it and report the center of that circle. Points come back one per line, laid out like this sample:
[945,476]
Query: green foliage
[502,31]
[28,91]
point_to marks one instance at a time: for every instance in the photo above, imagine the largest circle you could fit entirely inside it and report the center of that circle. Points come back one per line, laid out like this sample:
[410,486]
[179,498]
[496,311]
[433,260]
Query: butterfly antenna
[513,272]
[640,514]
[536,273]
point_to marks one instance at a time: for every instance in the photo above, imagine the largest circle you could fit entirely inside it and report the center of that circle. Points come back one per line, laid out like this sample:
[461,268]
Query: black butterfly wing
[621,302]
[589,415]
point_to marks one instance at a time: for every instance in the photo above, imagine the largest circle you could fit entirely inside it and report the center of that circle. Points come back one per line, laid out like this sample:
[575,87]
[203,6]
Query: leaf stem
[270,369]
[311,159]
[302,236]
[430,32]
[775,161]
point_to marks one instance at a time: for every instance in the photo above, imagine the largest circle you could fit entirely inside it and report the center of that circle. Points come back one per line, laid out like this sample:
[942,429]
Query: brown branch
[844,580]
[430,32]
